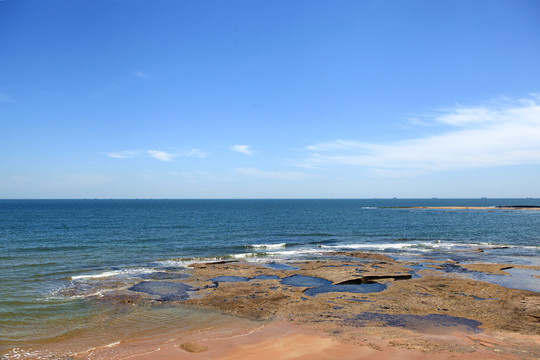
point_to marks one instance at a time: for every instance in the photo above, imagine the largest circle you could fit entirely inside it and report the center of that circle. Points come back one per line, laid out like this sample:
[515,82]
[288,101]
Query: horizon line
[289,198]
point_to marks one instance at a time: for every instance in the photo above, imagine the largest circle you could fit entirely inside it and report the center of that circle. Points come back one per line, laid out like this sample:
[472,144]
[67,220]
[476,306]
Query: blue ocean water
[57,254]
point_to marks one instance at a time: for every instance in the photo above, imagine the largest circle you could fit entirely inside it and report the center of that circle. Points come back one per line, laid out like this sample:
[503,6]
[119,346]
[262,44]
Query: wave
[292,250]
[115,273]
[393,246]
[268,246]
[188,261]
[268,251]
[309,251]
[381,246]
[414,244]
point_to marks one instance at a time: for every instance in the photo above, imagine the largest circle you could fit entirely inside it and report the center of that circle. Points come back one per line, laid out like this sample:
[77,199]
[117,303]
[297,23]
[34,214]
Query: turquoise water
[56,255]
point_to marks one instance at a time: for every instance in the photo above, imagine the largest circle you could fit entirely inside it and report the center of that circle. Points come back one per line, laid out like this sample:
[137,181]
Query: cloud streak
[500,134]
[195,153]
[244,149]
[161,155]
[156,154]
[125,154]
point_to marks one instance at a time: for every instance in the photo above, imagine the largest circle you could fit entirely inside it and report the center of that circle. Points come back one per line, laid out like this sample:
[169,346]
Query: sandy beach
[279,340]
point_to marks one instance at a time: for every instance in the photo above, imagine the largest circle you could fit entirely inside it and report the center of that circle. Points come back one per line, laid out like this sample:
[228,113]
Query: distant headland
[501,207]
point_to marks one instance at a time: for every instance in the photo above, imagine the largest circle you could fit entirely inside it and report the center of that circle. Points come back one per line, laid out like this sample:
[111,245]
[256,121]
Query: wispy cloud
[125,154]
[244,149]
[161,155]
[195,153]
[501,133]
[156,154]
[272,174]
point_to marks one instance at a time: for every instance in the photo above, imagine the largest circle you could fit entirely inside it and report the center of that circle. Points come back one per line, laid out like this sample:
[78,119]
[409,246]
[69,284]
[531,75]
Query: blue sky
[269,99]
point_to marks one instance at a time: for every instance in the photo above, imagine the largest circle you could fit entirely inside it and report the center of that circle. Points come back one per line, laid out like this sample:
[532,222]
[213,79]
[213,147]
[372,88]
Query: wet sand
[367,306]
[284,341]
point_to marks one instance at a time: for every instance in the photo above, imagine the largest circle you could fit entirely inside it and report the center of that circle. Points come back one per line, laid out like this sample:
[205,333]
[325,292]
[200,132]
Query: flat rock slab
[312,294]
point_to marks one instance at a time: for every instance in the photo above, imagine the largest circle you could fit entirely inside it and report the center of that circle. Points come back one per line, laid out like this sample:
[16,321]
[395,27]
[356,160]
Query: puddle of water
[278,266]
[162,275]
[305,281]
[522,279]
[266,277]
[432,323]
[229,279]
[168,291]
[357,289]
[416,268]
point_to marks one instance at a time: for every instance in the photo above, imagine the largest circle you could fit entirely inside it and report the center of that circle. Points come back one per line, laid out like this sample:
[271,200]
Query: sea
[59,257]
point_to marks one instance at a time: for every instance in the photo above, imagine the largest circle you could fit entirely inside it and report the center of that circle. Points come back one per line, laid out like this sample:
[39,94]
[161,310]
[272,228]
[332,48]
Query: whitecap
[114,273]
[268,246]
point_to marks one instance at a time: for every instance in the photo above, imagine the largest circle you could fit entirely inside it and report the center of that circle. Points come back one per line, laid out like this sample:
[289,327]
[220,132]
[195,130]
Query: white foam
[112,344]
[300,252]
[528,247]
[187,262]
[268,246]
[115,273]
[92,349]
[180,263]
[381,246]
[246,255]
[422,246]
[18,353]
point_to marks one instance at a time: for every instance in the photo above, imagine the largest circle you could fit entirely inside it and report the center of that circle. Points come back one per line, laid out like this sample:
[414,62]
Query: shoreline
[354,305]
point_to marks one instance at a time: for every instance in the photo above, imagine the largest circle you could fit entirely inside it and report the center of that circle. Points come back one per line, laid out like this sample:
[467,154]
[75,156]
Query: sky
[269,99]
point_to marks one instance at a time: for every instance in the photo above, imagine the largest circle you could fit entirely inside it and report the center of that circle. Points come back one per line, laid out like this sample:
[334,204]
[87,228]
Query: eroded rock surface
[267,293]
[333,291]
